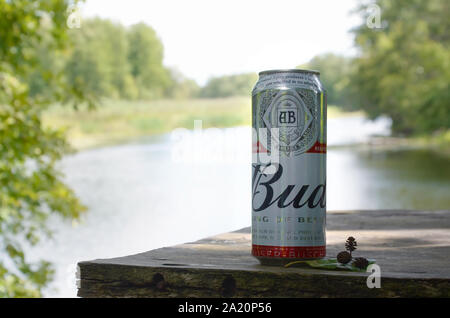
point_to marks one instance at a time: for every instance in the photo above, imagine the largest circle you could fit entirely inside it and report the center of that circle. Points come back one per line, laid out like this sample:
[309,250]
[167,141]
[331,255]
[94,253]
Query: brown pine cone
[350,244]
[344,257]
[360,262]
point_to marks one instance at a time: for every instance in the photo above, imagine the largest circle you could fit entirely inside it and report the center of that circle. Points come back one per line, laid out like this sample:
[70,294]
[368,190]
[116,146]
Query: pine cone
[350,244]
[360,262]
[344,257]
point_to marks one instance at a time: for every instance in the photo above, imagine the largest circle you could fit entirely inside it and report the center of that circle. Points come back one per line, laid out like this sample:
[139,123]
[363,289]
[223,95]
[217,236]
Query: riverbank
[118,121]
[115,122]
[438,142]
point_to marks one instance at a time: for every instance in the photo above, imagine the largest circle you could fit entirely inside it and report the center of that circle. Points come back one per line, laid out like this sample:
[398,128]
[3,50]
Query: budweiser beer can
[288,167]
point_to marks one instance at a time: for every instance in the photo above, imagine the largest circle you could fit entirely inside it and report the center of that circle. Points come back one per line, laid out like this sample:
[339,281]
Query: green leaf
[328,264]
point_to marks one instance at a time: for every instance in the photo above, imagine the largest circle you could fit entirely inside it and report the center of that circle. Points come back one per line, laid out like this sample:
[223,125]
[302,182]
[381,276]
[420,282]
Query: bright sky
[204,38]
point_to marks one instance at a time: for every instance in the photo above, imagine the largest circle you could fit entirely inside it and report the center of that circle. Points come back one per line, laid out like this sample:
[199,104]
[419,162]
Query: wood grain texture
[411,247]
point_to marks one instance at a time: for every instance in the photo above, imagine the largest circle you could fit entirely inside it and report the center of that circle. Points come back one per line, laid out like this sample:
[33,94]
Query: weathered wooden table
[412,249]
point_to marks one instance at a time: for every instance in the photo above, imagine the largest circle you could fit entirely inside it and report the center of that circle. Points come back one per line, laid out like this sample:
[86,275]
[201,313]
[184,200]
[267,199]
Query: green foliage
[145,57]
[110,60]
[106,59]
[335,73]
[230,85]
[181,86]
[30,186]
[404,68]
[329,264]
[98,61]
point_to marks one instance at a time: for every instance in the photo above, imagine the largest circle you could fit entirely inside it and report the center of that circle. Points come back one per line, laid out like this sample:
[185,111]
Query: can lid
[294,70]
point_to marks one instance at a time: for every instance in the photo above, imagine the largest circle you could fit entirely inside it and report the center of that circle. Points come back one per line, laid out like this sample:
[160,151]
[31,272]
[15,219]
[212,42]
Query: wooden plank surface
[412,249]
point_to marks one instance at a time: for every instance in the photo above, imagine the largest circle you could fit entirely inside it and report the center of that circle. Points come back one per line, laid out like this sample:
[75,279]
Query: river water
[156,193]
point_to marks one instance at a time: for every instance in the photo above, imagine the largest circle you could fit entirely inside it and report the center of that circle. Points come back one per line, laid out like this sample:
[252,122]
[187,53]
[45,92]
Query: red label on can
[289,251]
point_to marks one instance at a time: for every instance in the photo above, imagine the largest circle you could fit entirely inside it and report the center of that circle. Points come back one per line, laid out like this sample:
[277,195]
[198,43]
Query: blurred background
[99,156]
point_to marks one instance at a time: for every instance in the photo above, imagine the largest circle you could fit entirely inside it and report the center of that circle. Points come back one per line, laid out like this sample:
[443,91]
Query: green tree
[31,188]
[145,56]
[335,73]
[403,69]
[98,61]
[229,85]
[181,87]
[109,60]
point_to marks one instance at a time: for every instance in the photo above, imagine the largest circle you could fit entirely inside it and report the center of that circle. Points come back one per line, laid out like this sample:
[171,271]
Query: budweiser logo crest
[294,121]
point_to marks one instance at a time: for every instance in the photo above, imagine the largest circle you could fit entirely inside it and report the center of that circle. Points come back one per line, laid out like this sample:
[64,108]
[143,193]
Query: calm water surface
[152,194]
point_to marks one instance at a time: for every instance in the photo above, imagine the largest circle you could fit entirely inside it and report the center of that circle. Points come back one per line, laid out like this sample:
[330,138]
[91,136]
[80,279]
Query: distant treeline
[402,69]
[229,85]
[110,60]
[107,59]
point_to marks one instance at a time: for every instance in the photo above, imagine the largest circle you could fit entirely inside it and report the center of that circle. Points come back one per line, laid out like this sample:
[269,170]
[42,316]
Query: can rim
[294,70]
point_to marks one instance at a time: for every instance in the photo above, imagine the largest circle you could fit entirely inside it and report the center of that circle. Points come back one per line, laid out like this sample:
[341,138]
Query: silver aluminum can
[288,167]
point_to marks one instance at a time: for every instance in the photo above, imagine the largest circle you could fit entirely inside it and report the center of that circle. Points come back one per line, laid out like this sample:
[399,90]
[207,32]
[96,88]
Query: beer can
[288,166]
